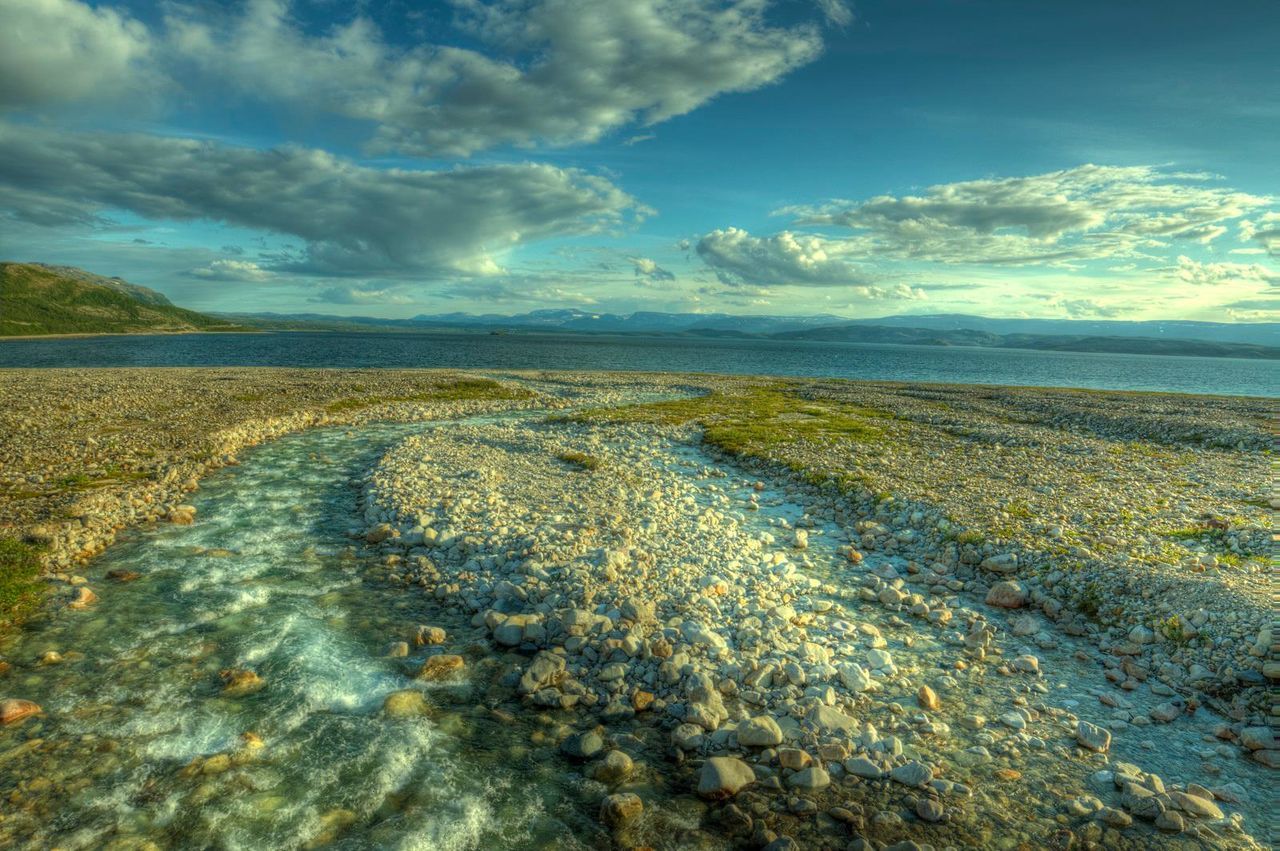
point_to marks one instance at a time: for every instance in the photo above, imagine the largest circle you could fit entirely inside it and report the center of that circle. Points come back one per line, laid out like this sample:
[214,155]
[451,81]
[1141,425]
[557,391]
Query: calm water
[1229,376]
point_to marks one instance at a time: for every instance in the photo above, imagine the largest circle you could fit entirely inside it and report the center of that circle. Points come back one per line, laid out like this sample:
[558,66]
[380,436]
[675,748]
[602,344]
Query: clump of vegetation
[1172,630]
[753,421]
[460,390]
[1089,601]
[970,536]
[20,586]
[581,460]
[1020,509]
[74,480]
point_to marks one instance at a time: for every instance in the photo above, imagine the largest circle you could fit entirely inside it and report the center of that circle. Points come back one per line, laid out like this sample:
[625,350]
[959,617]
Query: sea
[553,351]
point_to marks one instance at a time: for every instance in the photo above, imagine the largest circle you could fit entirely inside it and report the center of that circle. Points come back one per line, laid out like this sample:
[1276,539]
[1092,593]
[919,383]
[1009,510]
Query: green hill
[40,299]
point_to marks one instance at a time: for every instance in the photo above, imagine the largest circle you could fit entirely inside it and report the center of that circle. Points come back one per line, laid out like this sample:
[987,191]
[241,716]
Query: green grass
[581,460]
[20,586]
[970,536]
[754,421]
[463,389]
[40,300]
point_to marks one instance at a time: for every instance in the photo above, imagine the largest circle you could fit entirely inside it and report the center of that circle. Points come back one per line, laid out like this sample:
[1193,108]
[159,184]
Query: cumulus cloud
[1195,272]
[837,12]
[549,71]
[737,257]
[58,51]
[232,270]
[1080,308]
[649,270]
[1080,213]
[1264,229]
[354,219]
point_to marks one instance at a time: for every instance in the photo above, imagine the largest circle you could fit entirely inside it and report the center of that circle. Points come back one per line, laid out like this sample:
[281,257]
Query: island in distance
[39,299]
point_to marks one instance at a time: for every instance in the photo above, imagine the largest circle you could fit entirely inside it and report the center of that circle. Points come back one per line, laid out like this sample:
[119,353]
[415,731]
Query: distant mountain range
[40,299]
[1168,337]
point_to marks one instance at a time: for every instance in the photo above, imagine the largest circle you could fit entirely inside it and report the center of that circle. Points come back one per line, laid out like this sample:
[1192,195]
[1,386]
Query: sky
[1085,159]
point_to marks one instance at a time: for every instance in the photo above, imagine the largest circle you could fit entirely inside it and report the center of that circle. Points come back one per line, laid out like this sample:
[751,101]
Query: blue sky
[1083,159]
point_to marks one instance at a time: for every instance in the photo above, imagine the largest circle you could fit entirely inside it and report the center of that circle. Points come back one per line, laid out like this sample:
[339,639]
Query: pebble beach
[726,612]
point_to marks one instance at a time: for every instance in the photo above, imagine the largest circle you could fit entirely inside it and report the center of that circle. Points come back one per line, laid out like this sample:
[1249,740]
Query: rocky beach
[711,612]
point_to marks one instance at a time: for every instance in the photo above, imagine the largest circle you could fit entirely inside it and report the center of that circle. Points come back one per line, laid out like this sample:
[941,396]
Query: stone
[613,769]
[119,574]
[800,540]
[928,699]
[13,710]
[813,777]
[238,682]
[544,668]
[621,809]
[1003,563]
[912,774]
[860,766]
[84,598]
[1007,595]
[1166,712]
[1093,737]
[929,810]
[829,721]
[1258,738]
[1170,821]
[1026,664]
[582,745]
[429,635]
[794,758]
[700,635]
[723,777]
[1195,805]
[1113,817]
[379,533]
[446,666]
[406,703]
[759,732]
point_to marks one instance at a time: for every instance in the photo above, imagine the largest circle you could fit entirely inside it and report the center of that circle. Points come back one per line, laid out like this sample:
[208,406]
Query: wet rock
[84,598]
[1170,821]
[723,777]
[1258,738]
[928,699]
[929,810]
[238,682]
[183,515]
[582,745]
[621,809]
[407,703]
[13,710]
[1195,805]
[429,635]
[379,533]
[446,666]
[119,574]
[615,768]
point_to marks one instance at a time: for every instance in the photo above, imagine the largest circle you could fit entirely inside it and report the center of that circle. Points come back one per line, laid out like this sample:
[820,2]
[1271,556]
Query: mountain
[40,299]
[1262,333]
[858,333]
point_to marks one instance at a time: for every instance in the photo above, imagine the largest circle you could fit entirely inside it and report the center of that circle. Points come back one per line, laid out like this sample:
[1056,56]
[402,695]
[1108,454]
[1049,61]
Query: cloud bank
[353,220]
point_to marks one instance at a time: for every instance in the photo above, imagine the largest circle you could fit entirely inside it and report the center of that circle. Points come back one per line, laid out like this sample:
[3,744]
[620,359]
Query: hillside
[40,299]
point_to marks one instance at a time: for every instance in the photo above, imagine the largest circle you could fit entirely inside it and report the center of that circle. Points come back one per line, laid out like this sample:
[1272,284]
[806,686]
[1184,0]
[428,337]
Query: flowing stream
[141,747]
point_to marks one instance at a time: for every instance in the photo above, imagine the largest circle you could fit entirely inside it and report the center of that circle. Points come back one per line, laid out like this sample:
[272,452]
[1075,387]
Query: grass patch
[20,586]
[464,389]
[581,460]
[75,480]
[754,421]
[970,536]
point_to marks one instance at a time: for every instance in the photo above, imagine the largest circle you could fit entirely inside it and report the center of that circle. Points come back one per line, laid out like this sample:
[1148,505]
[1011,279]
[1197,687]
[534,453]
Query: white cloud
[58,51]
[737,257]
[1081,213]
[1080,308]
[649,270]
[1195,272]
[548,71]
[837,12]
[233,270]
[354,220]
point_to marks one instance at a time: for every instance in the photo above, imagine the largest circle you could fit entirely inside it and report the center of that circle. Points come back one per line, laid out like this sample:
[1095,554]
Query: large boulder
[723,777]
[760,732]
[1007,595]
[1093,737]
